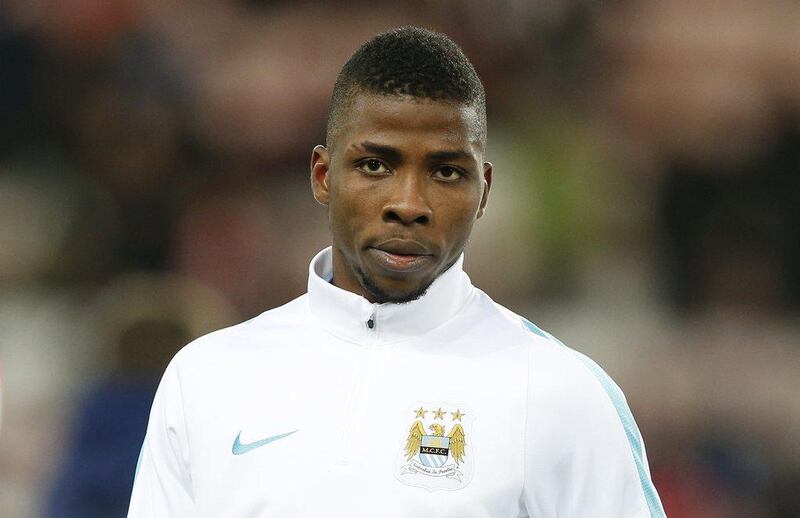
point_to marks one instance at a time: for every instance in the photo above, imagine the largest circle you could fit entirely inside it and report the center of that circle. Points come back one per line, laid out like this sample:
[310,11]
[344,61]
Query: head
[437,429]
[403,171]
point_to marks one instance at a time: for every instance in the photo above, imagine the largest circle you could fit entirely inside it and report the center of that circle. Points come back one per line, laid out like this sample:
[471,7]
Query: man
[393,388]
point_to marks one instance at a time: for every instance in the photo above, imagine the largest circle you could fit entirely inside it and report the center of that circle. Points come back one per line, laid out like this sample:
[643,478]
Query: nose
[408,202]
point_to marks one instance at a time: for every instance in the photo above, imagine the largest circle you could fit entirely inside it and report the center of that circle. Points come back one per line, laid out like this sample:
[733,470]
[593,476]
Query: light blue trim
[631,432]
[535,330]
[628,423]
[138,463]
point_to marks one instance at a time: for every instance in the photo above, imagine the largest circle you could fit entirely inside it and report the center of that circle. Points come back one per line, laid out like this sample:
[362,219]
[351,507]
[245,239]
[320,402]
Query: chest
[348,430]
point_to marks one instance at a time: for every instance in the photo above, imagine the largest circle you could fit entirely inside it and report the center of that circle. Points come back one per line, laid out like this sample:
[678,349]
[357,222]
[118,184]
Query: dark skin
[404,181]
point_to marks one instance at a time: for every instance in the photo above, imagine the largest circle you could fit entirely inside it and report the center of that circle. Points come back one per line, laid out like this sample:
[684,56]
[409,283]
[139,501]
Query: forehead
[397,120]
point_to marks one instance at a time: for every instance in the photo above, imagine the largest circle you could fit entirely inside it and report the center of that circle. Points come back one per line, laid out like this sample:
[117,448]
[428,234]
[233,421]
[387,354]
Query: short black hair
[408,61]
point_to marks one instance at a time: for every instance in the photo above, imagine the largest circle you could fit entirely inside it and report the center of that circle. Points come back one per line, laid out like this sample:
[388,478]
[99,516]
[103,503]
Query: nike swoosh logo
[239,448]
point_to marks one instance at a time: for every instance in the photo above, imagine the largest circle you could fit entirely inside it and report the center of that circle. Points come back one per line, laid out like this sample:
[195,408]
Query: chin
[382,293]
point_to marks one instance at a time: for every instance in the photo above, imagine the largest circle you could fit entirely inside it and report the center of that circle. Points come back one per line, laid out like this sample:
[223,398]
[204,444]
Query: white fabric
[542,437]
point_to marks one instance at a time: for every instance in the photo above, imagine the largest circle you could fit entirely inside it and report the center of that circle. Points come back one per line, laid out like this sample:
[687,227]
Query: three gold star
[439,414]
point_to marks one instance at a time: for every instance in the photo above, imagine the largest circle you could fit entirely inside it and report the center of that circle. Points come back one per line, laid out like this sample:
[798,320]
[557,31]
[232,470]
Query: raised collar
[347,315]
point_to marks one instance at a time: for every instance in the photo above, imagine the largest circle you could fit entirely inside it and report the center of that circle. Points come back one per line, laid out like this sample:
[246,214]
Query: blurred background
[646,209]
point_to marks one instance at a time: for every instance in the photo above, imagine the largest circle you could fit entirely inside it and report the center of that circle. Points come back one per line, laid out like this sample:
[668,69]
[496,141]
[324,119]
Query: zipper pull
[371,321]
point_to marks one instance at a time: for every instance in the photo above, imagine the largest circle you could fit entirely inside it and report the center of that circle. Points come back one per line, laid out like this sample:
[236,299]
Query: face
[404,181]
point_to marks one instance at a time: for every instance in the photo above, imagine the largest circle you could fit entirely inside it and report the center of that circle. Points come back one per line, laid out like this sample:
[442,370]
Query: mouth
[400,256]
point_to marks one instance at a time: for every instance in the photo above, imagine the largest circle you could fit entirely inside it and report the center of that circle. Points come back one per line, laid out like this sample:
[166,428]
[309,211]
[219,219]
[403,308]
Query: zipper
[363,373]
[342,457]
[372,322]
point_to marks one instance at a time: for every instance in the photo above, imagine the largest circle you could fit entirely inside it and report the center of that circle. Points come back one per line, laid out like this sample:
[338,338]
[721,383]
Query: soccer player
[394,387]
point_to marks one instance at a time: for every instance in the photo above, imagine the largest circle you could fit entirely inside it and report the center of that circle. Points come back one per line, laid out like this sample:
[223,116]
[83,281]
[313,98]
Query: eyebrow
[395,155]
[391,153]
[447,156]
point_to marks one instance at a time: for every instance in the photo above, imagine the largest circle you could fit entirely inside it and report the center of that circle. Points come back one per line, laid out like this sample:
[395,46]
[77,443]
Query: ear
[320,168]
[487,184]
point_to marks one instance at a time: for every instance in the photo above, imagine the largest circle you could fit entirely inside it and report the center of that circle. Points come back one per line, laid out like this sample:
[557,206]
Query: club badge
[437,452]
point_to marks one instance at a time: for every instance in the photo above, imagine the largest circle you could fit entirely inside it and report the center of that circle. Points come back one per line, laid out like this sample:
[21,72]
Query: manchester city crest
[437,451]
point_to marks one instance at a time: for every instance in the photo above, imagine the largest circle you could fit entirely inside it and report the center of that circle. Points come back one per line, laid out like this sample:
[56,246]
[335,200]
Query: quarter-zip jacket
[447,406]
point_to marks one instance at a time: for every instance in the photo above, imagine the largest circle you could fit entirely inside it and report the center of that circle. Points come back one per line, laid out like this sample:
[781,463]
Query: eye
[373,166]
[448,174]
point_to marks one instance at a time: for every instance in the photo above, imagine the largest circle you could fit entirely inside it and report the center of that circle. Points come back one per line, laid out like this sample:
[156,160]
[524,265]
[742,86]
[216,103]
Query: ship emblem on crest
[436,453]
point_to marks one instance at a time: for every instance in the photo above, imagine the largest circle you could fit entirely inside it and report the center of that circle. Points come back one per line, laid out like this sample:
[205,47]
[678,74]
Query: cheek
[461,211]
[341,220]
[458,217]
[348,213]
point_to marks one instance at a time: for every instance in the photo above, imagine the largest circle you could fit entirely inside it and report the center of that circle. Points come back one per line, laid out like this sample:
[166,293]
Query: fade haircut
[408,62]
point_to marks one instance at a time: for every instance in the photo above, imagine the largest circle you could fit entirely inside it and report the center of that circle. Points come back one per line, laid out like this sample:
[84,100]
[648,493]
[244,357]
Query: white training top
[447,406]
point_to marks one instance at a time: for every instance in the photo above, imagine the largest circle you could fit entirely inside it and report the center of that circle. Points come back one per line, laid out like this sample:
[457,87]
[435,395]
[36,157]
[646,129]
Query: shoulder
[578,416]
[258,332]
[572,400]
[578,378]
[558,374]
[486,317]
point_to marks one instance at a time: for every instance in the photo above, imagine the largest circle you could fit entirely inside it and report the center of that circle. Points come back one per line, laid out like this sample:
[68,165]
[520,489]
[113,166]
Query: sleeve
[163,485]
[584,455]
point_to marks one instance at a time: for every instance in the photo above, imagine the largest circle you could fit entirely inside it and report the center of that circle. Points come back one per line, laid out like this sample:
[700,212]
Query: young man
[393,388]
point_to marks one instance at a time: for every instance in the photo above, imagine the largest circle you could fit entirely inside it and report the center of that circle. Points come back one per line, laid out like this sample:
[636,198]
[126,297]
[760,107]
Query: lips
[401,256]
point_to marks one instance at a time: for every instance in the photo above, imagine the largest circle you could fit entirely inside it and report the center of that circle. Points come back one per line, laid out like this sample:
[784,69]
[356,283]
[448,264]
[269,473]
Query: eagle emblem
[435,453]
[433,449]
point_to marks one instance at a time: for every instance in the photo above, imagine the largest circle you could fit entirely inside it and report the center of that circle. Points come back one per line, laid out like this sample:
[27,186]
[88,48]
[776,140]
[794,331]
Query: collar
[347,315]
